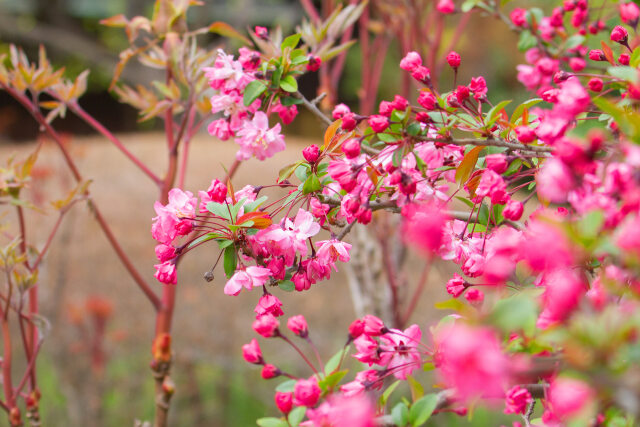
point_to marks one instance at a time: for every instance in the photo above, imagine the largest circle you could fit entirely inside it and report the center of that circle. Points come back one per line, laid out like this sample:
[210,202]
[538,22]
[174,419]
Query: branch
[311,107]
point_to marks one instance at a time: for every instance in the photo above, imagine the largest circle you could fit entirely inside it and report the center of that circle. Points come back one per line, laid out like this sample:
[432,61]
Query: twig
[311,107]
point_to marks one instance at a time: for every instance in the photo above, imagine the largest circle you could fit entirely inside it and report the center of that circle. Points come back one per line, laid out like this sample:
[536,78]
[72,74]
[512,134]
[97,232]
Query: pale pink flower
[411,61]
[563,290]
[250,278]
[399,351]
[424,226]
[555,181]
[568,396]
[257,139]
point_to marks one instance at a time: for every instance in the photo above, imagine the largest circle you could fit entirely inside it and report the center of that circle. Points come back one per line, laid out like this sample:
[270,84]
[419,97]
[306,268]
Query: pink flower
[421,74]
[373,326]
[595,84]
[446,6]
[349,122]
[547,247]
[554,181]
[351,148]
[266,325]
[306,392]
[301,281]
[597,55]
[399,351]
[453,59]
[284,401]
[286,114]
[619,34]
[366,350]
[220,128]
[378,123]
[427,100]
[270,371]
[456,285]
[256,139]
[411,61]
[314,63]
[624,59]
[252,353]
[513,210]
[298,325]
[478,86]
[250,278]
[339,111]
[568,396]
[563,291]
[475,297]
[519,17]
[399,103]
[311,153]
[425,224]
[525,134]
[629,13]
[517,400]
[329,251]
[491,184]
[268,304]
[165,252]
[628,236]
[166,273]
[577,64]
[356,328]
[497,162]
[471,361]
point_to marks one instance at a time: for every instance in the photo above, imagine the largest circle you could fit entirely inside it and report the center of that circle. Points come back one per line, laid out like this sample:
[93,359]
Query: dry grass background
[209,327]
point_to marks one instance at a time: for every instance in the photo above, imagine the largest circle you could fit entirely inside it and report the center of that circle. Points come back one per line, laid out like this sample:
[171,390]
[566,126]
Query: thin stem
[416,296]
[311,107]
[296,348]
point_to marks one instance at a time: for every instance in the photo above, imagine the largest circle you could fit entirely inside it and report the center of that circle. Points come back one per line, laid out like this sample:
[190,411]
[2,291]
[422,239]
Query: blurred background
[93,368]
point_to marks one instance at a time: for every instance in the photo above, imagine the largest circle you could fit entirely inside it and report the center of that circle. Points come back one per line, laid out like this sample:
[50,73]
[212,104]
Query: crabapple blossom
[399,351]
[446,6]
[266,325]
[517,400]
[252,353]
[284,401]
[249,278]
[298,325]
[453,59]
[257,139]
[411,61]
[306,392]
[166,273]
[268,304]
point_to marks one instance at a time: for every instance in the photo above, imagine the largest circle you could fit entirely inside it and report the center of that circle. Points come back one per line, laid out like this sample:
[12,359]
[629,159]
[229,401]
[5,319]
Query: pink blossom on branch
[257,139]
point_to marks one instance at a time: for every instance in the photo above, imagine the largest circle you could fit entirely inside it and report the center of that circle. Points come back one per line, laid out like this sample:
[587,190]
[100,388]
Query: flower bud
[513,210]
[351,148]
[314,63]
[597,55]
[446,6]
[595,84]
[349,122]
[411,61]
[266,325]
[298,325]
[453,59]
[270,371]
[619,34]
[251,352]
[629,13]
[497,162]
[399,103]
[356,328]
[624,59]
[306,392]
[427,100]
[525,134]
[456,285]
[339,111]
[311,153]
[262,33]
[378,123]
[422,74]
[284,401]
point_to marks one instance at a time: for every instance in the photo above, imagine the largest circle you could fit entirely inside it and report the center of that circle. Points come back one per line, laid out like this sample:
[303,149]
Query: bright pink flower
[421,74]
[525,134]
[266,325]
[399,103]
[619,34]
[597,55]
[250,59]
[446,6]
[166,273]
[354,411]
[366,350]
[478,86]
[270,371]
[314,63]
[298,325]
[471,361]
[373,326]
[577,64]
[378,123]
[301,281]
[349,122]
[351,148]
[342,172]
[262,32]
[517,400]
[462,93]
[595,84]
[624,59]
[284,401]
[513,210]
[329,251]
[311,153]
[475,297]
[568,396]
[491,184]
[456,285]
[165,252]
[554,181]
[411,61]
[547,247]
[278,270]
[256,139]
[629,13]
[399,351]
[339,111]
[628,236]
[268,304]
[519,17]
[252,353]
[563,291]
[306,392]
[356,328]
[453,59]
[287,114]
[250,278]
[425,224]
[497,162]
[427,100]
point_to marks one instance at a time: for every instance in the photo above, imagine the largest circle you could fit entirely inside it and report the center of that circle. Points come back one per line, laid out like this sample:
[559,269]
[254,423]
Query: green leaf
[422,409]
[589,226]
[312,184]
[252,206]
[286,386]
[574,41]
[224,243]
[629,74]
[417,391]
[518,312]
[468,5]
[253,90]
[291,41]
[400,414]
[203,238]
[385,137]
[302,171]
[414,129]
[634,61]
[333,363]
[287,171]
[330,381]
[450,304]
[287,286]
[230,261]
[387,393]
[513,167]
[288,101]
[527,41]
[219,209]
[236,208]
[297,415]
[483,214]
[517,113]
[494,113]
[275,77]
[289,84]
[467,202]
[271,422]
